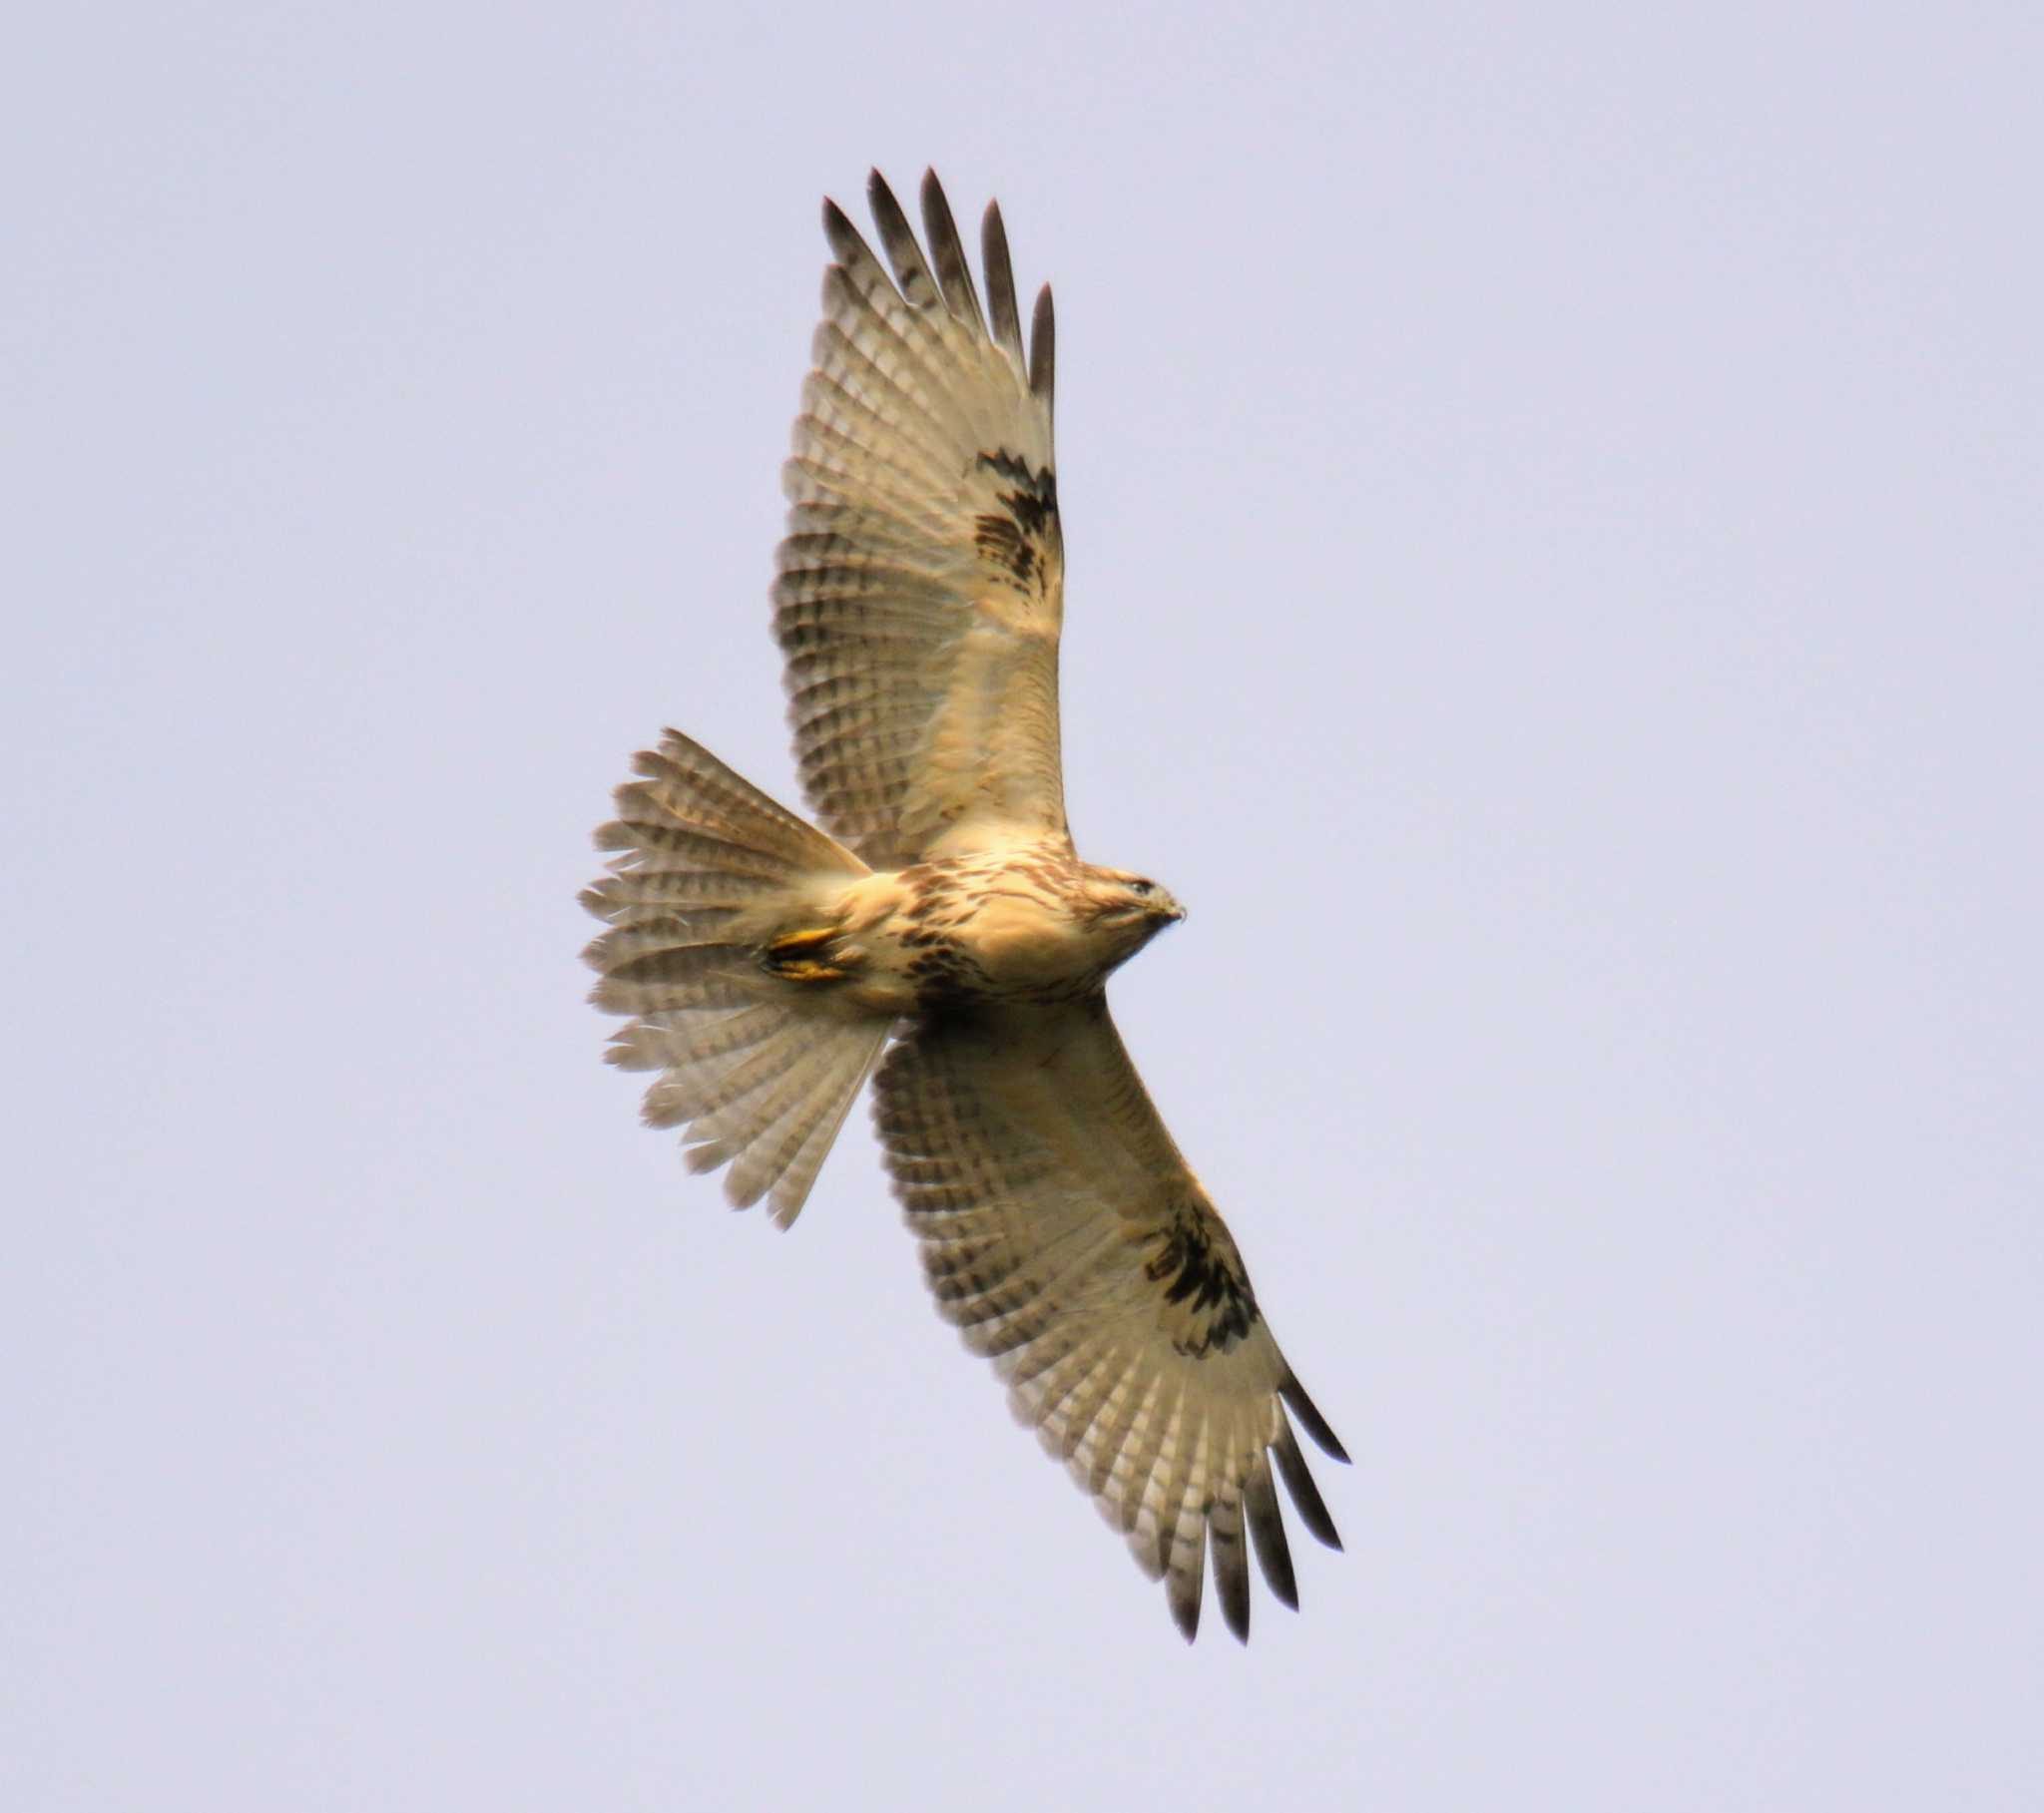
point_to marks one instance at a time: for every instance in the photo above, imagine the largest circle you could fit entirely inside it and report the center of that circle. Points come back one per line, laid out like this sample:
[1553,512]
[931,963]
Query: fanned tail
[759,1069]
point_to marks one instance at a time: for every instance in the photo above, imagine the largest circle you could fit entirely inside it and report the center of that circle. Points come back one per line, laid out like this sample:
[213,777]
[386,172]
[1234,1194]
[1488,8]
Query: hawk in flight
[764,964]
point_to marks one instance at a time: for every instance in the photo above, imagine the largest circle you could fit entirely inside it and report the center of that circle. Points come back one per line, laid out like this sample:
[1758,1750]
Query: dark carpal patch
[1025,530]
[1203,1280]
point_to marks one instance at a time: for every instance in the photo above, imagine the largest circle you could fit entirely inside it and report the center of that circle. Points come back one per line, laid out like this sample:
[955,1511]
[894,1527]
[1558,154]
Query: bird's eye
[1145,888]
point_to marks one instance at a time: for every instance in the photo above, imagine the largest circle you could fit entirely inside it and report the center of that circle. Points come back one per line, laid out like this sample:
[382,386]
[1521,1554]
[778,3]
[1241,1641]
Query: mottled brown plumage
[766,964]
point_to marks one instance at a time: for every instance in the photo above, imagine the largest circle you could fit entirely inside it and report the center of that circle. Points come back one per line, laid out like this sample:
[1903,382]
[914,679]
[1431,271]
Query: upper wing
[922,583]
[1065,1237]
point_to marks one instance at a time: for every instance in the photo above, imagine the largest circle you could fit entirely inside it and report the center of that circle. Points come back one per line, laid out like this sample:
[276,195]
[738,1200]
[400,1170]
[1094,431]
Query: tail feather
[643,977]
[784,1145]
[660,846]
[705,796]
[685,1044]
[682,886]
[805,1160]
[760,1071]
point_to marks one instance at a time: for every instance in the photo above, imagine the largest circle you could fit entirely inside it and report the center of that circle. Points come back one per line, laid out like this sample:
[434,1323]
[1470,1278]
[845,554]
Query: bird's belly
[991,944]
[949,935]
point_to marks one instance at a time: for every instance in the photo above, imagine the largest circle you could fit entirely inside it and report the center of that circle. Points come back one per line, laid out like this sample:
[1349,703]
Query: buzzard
[940,927]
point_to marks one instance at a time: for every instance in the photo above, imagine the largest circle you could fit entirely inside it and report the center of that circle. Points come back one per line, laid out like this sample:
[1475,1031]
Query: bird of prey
[937,923]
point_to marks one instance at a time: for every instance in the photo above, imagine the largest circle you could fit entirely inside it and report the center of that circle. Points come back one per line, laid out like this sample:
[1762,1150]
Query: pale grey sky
[1556,561]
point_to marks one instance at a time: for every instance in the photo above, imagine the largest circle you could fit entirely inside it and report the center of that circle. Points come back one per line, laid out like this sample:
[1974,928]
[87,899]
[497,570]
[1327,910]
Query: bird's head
[1127,910]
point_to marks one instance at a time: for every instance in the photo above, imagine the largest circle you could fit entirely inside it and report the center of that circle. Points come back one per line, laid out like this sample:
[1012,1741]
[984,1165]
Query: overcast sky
[1554,507]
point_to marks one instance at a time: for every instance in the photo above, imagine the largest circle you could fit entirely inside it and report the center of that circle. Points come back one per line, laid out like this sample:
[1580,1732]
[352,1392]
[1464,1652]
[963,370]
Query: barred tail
[761,1072]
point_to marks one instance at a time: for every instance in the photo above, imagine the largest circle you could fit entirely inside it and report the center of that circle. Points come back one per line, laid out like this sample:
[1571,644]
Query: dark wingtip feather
[1313,1509]
[910,269]
[1043,351]
[1231,1580]
[1266,1531]
[893,224]
[1293,1393]
[954,275]
[846,241]
[1001,285]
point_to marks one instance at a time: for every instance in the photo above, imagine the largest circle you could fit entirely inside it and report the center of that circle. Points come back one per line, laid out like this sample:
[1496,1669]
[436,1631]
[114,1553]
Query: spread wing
[1064,1235]
[922,583]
